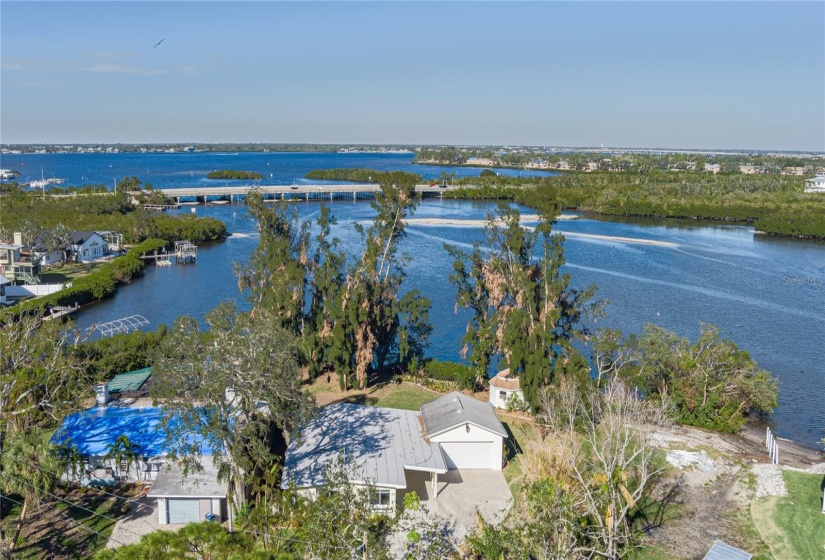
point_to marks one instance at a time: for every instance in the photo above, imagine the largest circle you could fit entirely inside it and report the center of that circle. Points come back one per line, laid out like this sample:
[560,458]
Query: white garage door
[183,511]
[463,455]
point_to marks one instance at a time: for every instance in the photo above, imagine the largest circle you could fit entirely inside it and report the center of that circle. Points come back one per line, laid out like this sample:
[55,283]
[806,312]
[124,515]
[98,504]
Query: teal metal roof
[129,382]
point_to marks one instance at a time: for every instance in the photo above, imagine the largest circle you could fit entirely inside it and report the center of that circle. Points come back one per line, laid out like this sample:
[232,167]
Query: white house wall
[497,401]
[474,435]
[312,493]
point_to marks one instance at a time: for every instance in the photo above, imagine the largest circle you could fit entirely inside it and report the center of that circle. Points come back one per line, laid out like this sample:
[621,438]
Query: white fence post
[773,446]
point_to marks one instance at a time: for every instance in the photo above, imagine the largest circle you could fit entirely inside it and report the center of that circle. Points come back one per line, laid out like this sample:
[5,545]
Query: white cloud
[113,68]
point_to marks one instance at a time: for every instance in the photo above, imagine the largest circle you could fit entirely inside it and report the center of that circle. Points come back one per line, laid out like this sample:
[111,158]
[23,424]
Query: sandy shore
[525,219]
[618,239]
[532,218]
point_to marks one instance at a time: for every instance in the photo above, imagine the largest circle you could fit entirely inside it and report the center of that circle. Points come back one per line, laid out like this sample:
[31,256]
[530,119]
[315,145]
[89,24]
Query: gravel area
[813,469]
[769,481]
[690,459]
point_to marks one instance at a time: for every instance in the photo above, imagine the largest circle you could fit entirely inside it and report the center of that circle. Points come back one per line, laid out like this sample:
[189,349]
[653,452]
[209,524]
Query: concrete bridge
[289,192]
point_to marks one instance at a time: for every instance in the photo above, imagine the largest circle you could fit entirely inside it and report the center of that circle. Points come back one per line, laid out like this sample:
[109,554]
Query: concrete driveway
[141,519]
[463,493]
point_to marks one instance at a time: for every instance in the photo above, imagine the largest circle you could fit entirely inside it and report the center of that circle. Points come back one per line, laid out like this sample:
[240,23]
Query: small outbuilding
[505,389]
[724,551]
[190,498]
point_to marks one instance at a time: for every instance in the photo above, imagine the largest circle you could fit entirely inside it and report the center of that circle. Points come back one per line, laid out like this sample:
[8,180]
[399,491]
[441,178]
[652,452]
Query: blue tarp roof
[94,430]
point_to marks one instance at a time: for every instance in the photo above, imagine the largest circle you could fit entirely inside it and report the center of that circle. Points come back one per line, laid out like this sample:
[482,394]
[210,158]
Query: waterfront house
[817,184]
[43,255]
[506,390]
[395,451]
[87,246]
[16,266]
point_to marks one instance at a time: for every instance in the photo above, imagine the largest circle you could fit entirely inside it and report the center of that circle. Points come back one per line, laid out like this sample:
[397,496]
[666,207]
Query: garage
[468,455]
[187,499]
[183,510]
[468,431]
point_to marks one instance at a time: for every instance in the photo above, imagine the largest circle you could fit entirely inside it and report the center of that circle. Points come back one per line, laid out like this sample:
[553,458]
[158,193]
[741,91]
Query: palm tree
[70,459]
[122,450]
[29,467]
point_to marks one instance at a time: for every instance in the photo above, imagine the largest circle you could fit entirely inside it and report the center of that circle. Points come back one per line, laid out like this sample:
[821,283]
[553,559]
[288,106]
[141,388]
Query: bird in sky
[158,43]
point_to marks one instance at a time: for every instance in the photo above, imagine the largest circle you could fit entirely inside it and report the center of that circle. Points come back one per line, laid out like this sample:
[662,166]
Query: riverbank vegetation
[357,175]
[100,284]
[773,204]
[711,383]
[234,175]
[33,215]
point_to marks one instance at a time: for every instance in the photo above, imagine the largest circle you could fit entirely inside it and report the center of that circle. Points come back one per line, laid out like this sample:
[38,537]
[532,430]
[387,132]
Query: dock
[289,192]
[61,312]
[160,207]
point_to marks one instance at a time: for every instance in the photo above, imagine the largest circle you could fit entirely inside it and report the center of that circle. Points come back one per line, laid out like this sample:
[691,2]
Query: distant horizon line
[7,145]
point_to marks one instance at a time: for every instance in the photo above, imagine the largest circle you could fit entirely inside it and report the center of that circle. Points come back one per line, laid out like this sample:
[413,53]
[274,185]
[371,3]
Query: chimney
[18,238]
[102,394]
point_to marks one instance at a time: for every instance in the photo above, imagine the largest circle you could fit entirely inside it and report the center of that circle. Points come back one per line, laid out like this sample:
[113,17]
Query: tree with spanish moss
[373,325]
[524,309]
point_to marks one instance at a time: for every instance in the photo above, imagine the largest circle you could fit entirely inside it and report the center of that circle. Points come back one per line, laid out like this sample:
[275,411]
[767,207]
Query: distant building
[713,168]
[16,266]
[87,246]
[817,184]
[42,253]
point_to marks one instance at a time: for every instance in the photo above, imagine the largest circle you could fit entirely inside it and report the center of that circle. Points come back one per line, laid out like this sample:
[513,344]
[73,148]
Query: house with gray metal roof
[388,448]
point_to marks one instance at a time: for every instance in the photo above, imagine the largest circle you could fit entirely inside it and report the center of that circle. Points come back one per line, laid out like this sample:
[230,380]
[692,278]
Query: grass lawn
[67,272]
[389,395]
[793,526]
[800,515]
[405,396]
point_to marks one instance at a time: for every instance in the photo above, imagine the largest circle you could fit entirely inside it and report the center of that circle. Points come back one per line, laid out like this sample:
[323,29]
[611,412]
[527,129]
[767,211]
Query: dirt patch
[699,513]
[54,529]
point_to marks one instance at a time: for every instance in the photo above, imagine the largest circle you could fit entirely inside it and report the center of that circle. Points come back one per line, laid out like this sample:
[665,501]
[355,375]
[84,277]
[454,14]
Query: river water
[765,294]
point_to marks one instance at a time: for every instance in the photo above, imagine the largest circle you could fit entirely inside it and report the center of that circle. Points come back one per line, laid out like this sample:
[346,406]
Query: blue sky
[668,74]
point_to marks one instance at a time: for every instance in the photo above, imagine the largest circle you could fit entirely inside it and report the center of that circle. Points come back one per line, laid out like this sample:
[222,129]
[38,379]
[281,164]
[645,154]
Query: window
[502,395]
[381,498]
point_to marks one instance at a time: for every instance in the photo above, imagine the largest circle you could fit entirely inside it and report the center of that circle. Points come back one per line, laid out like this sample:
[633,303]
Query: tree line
[232,174]
[33,215]
[773,204]
[358,175]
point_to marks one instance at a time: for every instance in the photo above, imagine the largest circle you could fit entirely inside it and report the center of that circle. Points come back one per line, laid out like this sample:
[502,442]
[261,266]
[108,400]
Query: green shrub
[459,373]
